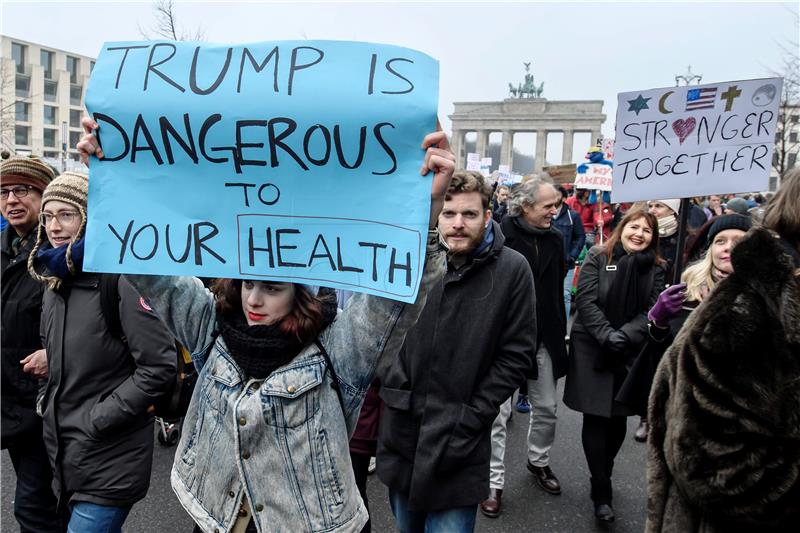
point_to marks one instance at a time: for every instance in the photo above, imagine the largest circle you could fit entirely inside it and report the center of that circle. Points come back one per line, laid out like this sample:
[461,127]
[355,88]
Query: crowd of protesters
[299,386]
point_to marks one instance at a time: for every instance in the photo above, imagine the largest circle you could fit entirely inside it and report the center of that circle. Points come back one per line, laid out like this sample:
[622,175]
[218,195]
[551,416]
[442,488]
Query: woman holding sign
[282,379]
[618,284]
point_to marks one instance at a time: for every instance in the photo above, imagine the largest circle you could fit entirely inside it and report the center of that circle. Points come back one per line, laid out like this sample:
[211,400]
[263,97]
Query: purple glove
[668,305]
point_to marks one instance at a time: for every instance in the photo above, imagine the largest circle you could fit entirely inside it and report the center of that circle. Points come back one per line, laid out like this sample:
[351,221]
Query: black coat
[21,309]
[544,251]
[97,431]
[460,362]
[591,386]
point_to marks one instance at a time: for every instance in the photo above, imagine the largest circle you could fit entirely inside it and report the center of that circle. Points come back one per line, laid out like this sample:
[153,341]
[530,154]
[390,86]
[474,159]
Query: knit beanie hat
[732,221]
[737,205]
[672,203]
[26,171]
[71,188]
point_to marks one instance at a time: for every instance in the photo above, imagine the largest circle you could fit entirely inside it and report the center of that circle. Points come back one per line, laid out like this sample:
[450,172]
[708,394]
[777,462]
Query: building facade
[787,143]
[42,100]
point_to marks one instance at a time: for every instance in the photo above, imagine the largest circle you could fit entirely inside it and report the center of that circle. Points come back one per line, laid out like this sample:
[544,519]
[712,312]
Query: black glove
[570,263]
[617,341]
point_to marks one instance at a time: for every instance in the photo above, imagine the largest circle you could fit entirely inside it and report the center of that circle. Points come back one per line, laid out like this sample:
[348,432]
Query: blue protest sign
[290,161]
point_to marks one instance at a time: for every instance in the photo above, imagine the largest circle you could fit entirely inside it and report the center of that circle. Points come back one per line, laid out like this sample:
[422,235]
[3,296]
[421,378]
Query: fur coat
[724,411]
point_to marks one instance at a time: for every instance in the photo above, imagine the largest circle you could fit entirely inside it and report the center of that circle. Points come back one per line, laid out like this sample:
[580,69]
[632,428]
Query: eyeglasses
[65,218]
[20,192]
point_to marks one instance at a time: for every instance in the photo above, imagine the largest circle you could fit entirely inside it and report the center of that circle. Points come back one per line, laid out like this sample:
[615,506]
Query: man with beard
[529,230]
[465,356]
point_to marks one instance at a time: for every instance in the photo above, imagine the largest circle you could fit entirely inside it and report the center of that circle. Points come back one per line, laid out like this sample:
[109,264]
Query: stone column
[456,143]
[541,150]
[566,150]
[507,148]
[480,144]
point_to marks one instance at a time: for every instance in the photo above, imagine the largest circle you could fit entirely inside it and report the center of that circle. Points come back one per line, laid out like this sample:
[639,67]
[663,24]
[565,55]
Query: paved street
[526,507]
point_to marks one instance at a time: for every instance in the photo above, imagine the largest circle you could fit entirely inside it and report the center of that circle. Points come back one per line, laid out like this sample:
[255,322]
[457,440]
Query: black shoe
[604,513]
[545,478]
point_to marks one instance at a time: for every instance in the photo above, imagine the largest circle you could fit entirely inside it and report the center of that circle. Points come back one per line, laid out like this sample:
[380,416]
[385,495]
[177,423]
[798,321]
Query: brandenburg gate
[524,111]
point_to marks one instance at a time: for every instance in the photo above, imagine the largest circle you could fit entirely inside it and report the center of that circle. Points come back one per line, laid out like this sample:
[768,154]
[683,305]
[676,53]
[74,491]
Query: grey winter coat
[460,362]
[589,388]
[97,431]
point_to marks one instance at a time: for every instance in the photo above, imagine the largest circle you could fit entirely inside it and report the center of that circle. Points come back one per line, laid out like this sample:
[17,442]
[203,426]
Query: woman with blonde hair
[724,446]
[676,303]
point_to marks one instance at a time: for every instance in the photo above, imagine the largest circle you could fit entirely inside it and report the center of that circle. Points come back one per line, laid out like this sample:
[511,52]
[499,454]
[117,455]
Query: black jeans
[35,505]
[360,470]
[602,438]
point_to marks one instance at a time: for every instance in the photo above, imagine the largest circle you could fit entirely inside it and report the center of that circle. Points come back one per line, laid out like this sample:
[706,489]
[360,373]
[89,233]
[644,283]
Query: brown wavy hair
[304,322]
[630,216]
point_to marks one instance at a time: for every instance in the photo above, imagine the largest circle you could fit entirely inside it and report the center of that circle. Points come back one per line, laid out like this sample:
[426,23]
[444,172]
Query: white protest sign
[474,165]
[596,177]
[678,142]
[486,166]
[473,157]
[608,148]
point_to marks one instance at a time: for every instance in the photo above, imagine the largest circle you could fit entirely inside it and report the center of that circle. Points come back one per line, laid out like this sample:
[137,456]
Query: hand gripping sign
[679,142]
[290,161]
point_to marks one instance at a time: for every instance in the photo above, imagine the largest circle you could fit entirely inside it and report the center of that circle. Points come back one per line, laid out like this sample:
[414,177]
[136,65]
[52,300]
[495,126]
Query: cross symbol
[730,95]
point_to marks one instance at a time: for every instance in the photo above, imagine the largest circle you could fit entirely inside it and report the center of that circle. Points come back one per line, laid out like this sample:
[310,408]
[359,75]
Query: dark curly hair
[304,321]
[469,181]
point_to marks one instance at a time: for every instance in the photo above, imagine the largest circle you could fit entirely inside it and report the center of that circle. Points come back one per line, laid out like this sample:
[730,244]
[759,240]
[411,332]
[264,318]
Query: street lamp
[64,133]
[688,78]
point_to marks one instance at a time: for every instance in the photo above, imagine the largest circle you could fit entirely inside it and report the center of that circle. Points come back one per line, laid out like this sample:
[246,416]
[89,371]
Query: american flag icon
[700,98]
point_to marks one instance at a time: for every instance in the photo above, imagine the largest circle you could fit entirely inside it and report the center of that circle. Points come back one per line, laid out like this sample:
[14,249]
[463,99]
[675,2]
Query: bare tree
[7,108]
[786,141]
[166,25]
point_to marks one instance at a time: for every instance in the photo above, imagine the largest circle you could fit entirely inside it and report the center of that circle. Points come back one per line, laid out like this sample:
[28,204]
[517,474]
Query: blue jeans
[568,289]
[456,520]
[93,518]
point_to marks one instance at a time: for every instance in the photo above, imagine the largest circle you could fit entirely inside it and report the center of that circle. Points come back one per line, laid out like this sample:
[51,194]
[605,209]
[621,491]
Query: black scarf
[630,290]
[260,350]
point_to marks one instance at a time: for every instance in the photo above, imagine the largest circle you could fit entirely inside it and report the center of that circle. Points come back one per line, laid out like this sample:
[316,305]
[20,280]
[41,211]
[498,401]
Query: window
[795,119]
[22,112]
[775,159]
[50,137]
[793,137]
[75,93]
[75,156]
[50,115]
[50,91]
[52,155]
[18,52]
[91,66]
[778,136]
[791,161]
[22,135]
[75,118]
[23,86]
[73,63]
[74,139]
[47,63]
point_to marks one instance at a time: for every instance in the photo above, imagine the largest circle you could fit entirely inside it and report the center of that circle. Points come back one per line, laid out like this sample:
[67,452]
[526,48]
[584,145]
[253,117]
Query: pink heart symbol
[683,128]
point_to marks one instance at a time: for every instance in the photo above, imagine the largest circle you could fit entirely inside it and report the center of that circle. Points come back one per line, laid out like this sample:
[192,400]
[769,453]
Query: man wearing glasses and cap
[22,181]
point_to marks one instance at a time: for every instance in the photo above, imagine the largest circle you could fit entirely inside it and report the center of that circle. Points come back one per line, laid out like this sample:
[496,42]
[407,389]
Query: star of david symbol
[637,104]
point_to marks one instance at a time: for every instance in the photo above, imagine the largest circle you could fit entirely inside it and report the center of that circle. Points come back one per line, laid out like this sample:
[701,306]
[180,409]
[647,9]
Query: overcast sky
[580,50]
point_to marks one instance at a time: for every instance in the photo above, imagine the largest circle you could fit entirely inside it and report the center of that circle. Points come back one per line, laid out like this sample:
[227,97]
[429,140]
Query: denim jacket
[282,441]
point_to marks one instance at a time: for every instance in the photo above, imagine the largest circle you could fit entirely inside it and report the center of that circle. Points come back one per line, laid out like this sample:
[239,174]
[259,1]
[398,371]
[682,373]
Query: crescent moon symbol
[661,106]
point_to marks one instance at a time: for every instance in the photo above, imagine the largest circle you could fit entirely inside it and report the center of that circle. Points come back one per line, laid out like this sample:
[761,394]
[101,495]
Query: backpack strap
[335,381]
[109,304]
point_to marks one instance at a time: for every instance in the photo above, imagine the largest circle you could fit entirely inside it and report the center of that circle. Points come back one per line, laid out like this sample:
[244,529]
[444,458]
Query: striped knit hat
[71,188]
[26,171]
